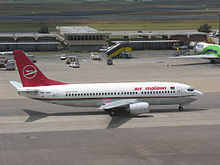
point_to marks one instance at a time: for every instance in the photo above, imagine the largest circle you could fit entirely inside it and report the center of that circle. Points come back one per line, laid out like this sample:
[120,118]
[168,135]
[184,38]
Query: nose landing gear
[212,61]
[180,108]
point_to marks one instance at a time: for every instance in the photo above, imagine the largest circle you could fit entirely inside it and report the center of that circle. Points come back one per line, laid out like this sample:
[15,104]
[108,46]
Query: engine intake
[138,108]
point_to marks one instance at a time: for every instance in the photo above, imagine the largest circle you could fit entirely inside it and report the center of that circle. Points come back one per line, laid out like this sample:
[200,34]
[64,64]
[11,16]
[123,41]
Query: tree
[44,29]
[204,28]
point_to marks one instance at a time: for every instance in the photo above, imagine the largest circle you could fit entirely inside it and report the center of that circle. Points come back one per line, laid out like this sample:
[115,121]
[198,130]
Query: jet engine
[138,108]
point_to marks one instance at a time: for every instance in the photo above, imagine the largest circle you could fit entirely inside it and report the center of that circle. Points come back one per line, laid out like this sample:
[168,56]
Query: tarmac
[33,132]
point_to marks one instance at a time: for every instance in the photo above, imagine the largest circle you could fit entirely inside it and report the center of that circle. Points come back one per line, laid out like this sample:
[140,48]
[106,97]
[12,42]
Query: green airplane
[205,51]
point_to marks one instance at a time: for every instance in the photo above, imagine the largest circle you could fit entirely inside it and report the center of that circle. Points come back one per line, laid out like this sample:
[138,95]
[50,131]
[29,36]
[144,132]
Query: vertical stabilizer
[30,75]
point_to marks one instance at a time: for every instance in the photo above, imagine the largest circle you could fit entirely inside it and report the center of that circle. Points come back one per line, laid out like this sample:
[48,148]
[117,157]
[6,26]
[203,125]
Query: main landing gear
[212,61]
[180,108]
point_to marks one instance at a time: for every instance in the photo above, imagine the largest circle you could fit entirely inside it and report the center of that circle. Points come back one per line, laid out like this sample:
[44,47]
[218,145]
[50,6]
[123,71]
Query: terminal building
[86,39]
[157,41]
[81,38]
[28,42]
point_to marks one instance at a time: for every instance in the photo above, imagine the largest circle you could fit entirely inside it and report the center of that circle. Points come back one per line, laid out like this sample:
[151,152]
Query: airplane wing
[204,56]
[117,104]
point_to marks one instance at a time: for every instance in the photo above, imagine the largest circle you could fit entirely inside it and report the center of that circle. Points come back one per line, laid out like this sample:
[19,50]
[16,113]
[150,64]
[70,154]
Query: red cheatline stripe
[102,98]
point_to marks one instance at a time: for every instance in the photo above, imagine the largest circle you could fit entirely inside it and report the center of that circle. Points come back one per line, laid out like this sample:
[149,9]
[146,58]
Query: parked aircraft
[205,51]
[135,97]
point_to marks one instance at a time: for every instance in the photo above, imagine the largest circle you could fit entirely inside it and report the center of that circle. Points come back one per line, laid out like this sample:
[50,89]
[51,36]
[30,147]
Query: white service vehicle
[74,65]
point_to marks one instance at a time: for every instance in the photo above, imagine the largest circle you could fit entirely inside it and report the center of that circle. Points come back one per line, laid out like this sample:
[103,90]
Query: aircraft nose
[198,93]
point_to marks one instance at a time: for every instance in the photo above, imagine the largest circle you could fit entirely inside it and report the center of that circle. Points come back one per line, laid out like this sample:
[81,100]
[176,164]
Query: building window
[69,37]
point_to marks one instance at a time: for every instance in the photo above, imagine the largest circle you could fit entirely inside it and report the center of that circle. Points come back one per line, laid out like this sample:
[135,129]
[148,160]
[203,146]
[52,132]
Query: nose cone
[198,93]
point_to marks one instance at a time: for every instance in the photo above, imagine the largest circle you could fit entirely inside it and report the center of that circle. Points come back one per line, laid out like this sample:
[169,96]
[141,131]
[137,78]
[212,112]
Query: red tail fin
[30,75]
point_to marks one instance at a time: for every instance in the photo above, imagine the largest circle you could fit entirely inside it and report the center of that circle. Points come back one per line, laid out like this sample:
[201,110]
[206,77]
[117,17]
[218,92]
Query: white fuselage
[97,94]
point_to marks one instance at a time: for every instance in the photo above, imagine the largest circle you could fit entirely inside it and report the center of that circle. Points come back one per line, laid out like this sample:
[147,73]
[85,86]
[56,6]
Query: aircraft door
[179,91]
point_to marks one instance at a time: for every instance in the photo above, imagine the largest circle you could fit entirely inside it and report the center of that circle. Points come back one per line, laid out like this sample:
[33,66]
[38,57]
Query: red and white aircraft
[135,97]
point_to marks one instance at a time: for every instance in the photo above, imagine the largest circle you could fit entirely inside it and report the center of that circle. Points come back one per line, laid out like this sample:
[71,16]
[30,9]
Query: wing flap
[117,104]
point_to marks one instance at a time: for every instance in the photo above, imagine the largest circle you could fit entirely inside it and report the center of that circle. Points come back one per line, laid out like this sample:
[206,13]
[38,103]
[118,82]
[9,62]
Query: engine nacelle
[138,108]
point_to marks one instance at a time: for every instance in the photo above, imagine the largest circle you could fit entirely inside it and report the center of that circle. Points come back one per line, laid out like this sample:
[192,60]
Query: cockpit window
[190,89]
[200,45]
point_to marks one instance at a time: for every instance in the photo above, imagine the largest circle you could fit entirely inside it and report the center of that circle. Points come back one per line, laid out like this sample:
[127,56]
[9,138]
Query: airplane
[205,51]
[6,53]
[135,97]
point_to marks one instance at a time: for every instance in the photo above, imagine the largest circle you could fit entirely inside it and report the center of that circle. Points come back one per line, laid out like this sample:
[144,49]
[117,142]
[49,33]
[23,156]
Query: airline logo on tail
[29,71]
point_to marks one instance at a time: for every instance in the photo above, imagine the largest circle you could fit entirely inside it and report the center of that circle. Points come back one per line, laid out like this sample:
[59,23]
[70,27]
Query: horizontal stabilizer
[27,90]
[16,84]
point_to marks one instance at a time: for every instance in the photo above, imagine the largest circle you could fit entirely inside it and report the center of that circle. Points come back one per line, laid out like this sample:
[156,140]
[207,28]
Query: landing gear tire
[180,108]
[212,61]
[112,112]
